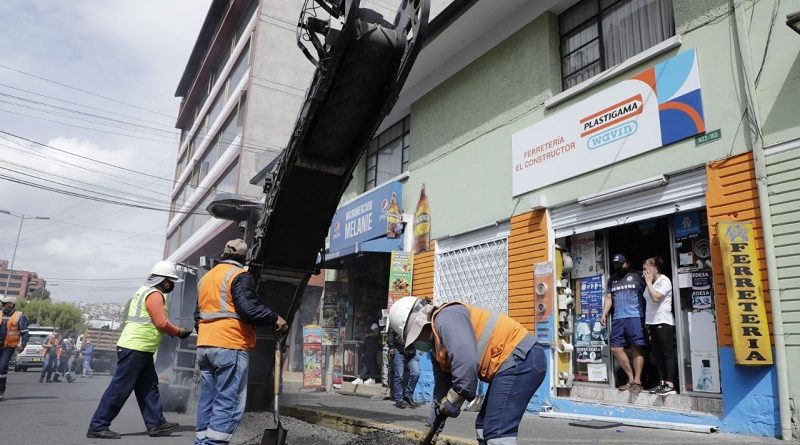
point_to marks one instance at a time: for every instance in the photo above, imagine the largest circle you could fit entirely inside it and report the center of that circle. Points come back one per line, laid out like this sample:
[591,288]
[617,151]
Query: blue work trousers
[405,375]
[507,398]
[48,366]
[135,373]
[223,393]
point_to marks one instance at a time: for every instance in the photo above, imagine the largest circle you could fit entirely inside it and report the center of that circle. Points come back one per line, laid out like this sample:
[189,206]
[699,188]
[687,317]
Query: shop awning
[382,244]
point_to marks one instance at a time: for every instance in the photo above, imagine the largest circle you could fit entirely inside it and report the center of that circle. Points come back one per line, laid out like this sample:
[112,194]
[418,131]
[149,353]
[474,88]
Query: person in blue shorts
[625,293]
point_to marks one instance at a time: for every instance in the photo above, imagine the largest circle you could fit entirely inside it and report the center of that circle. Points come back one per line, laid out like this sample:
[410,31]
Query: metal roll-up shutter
[473,268]
[682,192]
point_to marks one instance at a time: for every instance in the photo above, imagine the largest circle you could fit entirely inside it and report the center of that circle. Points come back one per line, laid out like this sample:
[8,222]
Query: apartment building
[21,283]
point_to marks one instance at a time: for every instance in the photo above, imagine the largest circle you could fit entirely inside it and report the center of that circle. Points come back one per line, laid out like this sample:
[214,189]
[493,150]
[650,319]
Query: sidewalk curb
[360,426]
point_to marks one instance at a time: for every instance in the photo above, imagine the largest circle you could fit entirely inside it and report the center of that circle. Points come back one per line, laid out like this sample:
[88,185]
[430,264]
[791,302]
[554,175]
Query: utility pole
[22,217]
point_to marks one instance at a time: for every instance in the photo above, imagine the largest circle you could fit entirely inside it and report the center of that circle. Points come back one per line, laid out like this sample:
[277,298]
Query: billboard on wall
[654,108]
[366,218]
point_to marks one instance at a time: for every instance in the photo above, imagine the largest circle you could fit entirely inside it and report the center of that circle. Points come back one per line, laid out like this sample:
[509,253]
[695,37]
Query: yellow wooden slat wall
[422,281]
[527,244]
[732,196]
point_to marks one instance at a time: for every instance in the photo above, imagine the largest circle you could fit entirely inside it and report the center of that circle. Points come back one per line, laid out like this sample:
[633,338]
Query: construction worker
[64,353]
[50,352]
[88,352]
[225,318]
[471,344]
[13,336]
[145,325]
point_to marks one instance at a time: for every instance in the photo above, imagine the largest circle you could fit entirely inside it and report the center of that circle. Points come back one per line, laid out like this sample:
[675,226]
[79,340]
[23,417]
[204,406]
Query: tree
[63,315]
[39,294]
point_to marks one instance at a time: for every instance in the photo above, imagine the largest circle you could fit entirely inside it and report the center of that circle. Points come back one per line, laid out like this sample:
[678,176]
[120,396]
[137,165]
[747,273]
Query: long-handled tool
[434,430]
[277,434]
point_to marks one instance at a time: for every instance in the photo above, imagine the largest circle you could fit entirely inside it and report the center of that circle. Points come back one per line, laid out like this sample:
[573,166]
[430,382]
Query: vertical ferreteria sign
[749,328]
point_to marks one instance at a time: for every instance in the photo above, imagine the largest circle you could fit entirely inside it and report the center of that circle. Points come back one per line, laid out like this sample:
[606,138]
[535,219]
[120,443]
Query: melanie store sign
[654,108]
[371,216]
[746,306]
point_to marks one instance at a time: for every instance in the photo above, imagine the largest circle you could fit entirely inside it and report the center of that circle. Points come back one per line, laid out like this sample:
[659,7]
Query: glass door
[694,304]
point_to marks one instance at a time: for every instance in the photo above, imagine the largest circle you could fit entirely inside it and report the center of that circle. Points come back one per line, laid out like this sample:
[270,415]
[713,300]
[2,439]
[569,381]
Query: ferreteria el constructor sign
[749,327]
[652,109]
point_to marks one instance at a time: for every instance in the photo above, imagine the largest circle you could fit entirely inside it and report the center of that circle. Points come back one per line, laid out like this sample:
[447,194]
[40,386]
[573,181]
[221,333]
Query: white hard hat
[8,299]
[401,314]
[166,269]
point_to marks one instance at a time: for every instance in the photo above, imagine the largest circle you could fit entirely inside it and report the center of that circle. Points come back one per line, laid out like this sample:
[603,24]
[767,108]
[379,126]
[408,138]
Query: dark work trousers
[662,336]
[5,358]
[135,373]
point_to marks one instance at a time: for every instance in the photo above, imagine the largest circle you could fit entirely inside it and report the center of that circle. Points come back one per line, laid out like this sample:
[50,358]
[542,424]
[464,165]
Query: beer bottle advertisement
[422,223]
[392,217]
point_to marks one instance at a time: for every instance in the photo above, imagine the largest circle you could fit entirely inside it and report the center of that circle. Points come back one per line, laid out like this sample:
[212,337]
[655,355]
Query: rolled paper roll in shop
[564,347]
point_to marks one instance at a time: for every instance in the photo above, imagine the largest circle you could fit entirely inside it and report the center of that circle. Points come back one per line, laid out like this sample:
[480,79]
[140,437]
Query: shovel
[276,435]
[433,431]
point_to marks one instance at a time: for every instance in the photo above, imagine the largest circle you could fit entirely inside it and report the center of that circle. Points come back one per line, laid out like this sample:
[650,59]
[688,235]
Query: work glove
[450,405]
[183,333]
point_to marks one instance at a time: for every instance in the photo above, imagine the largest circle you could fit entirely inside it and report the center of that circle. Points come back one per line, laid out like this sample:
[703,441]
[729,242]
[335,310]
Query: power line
[87,106]
[55,82]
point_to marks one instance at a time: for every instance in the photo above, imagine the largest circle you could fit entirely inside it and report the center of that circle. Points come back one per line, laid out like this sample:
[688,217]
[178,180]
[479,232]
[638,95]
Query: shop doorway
[639,241]
[682,241]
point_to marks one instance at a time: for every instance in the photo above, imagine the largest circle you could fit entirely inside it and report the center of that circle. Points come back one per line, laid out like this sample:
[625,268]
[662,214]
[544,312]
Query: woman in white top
[660,322]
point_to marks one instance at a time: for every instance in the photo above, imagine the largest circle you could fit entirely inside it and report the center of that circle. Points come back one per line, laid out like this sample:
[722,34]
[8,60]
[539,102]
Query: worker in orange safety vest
[13,336]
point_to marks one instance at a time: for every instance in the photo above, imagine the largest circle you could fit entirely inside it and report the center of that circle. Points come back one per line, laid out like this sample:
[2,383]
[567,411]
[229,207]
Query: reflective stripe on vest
[12,330]
[140,334]
[496,336]
[224,293]
[135,316]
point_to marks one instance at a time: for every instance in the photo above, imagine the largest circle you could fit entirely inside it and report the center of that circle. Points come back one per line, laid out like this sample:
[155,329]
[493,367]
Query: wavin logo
[612,134]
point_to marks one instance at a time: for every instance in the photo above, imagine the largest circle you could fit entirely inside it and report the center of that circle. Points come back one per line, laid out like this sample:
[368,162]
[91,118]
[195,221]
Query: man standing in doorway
[146,322]
[225,319]
[13,336]
[625,292]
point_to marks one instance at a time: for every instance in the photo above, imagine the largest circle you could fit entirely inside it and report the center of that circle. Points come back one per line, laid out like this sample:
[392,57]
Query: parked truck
[104,357]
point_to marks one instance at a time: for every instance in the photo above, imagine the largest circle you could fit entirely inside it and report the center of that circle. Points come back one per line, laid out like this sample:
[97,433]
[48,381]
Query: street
[58,413]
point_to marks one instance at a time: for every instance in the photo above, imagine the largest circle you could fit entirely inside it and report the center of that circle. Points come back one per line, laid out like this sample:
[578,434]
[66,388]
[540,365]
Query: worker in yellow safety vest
[146,322]
[226,316]
[13,336]
[471,345]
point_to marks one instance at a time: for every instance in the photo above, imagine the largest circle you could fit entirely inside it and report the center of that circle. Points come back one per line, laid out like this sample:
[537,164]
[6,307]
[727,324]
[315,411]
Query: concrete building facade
[21,283]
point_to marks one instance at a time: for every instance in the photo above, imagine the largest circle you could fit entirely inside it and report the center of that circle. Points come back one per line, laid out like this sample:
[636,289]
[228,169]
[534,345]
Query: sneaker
[400,404]
[666,390]
[370,382]
[357,382]
[655,389]
[105,434]
[411,403]
[163,429]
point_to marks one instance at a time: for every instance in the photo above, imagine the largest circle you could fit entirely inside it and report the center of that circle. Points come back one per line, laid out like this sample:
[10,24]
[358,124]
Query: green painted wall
[461,130]
[784,196]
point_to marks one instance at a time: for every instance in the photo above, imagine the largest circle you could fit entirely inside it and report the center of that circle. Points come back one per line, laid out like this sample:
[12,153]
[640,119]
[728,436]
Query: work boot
[411,403]
[104,434]
[56,379]
[2,396]
[400,404]
[163,429]
[70,378]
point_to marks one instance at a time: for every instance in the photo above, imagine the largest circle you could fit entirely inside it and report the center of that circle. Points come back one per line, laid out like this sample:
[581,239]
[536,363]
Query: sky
[131,52]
